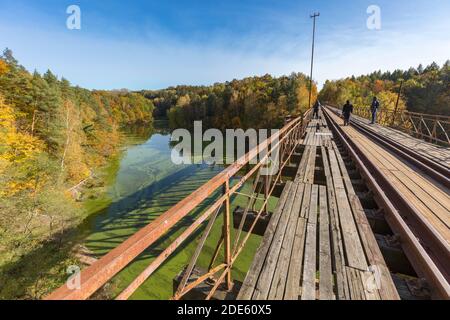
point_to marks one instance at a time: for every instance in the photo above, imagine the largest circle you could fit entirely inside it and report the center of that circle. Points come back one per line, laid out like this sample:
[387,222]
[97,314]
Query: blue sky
[154,44]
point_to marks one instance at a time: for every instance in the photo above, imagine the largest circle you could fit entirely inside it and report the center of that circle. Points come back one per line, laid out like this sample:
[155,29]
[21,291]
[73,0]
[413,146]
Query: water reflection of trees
[144,131]
[139,130]
[162,127]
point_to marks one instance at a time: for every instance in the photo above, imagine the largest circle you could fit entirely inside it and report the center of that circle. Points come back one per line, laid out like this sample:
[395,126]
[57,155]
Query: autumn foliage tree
[257,102]
[19,150]
[3,67]
[425,90]
[52,136]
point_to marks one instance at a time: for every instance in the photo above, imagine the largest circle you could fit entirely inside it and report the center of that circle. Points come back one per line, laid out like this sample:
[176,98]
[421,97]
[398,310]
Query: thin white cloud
[386,50]
[97,62]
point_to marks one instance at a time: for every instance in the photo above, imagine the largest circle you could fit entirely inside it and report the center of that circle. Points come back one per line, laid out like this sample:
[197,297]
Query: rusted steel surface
[430,256]
[239,246]
[190,267]
[139,280]
[288,147]
[218,282]
[227,234]
[202,278]
[98,274]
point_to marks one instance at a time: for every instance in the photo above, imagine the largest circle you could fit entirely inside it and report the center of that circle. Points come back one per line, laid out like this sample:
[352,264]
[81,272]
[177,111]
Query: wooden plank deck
[318,244]
[431,199]
[429,150]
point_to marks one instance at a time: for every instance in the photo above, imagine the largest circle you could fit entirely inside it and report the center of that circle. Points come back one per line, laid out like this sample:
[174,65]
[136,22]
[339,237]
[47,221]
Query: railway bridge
[360,212]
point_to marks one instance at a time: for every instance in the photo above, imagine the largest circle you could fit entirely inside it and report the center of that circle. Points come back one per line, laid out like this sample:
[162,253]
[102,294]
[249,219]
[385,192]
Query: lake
[145,184]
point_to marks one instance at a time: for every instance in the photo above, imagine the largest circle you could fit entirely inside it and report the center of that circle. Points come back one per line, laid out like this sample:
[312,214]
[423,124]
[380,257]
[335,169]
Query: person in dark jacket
[346,112]
[374,109]
[316,110]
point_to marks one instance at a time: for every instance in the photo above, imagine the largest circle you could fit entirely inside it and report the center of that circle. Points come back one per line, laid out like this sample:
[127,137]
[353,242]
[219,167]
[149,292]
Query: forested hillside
[53,136]
[257,102]
[425,90]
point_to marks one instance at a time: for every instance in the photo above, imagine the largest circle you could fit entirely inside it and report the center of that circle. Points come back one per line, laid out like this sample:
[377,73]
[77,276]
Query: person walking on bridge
[316,110]
[346,112]
[374,109]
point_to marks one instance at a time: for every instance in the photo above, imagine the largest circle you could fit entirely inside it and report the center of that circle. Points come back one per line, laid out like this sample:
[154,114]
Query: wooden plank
[342,291]
[433,152]
[313,206]
[380,158]
[309,265]
[311,166]
[363,284]
[263,285]
[304,211]
[420,206]
[358,284]
[354,282]
[370,286]
[387,290]
[303,164]
[374,256]
[294,272]
[440,195]
[335,172]
[325,269]
[296,266]
[442,211]
[351,285]
[352,245]
[391,162]
[280,276]
[253,273]
[308,136]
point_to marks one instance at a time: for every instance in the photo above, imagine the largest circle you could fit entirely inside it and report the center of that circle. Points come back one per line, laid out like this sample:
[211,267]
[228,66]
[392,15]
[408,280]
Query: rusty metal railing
[282,143]
[431,128]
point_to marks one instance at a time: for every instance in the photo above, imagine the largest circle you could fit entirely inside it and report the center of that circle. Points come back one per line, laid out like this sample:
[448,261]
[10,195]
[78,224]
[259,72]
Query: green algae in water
[147,184]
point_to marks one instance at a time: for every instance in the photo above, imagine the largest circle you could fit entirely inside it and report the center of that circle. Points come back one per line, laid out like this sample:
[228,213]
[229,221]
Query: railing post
[396,104]
[266,191]
[281,149]
[227,234]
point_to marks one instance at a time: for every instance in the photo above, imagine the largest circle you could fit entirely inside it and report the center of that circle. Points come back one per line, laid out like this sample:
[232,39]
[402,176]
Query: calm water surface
[146,184]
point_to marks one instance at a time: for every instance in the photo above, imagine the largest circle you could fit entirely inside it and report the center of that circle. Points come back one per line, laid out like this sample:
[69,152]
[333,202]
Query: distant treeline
[52,137]
[257,102]
[425,90]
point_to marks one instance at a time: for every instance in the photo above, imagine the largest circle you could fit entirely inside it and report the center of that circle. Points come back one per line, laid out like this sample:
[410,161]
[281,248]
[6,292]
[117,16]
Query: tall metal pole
[396,104]
[314,16]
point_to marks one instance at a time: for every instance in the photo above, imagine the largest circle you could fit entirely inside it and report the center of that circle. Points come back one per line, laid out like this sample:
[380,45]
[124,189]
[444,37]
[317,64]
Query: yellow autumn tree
[388,101]
[303,96]
[3,67]
[73,162]
[17,149]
